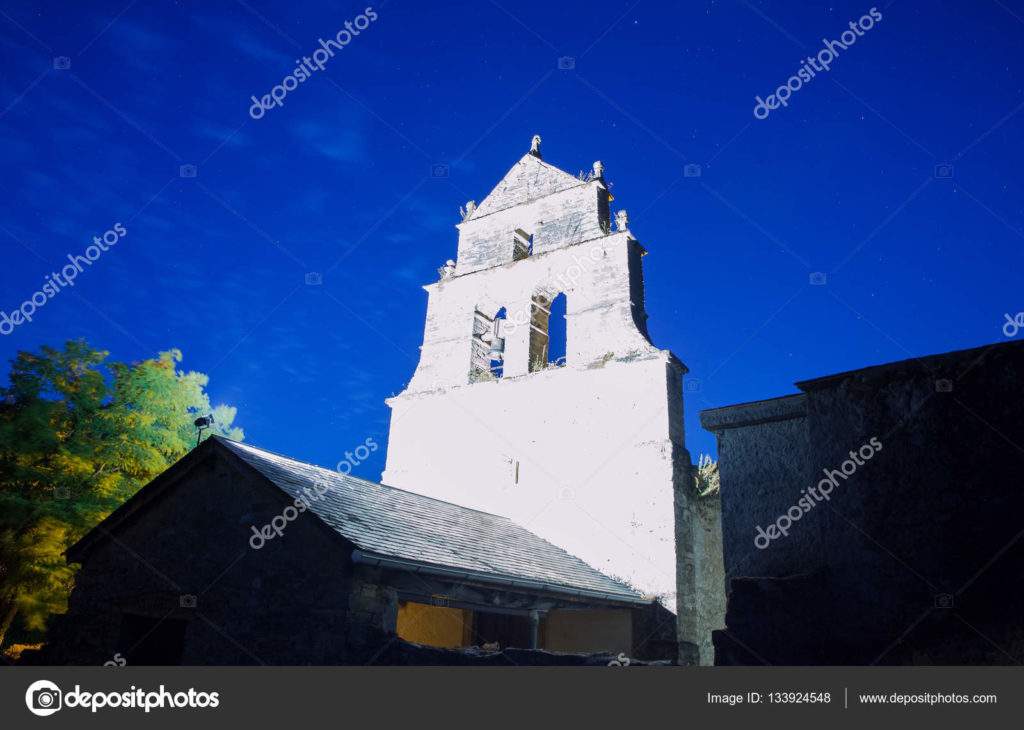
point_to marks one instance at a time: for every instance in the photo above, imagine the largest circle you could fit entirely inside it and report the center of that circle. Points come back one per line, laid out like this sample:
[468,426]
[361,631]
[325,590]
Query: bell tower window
[547,332]
[488,356]
[522,244]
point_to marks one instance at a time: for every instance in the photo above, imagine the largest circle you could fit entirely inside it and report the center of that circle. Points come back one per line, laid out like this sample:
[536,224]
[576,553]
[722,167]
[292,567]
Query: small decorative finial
[598,170]
[448,270]
[468,211]
[535,146]
[621,220]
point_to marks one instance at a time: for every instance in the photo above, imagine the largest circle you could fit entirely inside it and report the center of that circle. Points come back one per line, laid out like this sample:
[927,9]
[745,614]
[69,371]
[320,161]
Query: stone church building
[538,396]
[871,518]
[580,440]
[898,490]
[237,556]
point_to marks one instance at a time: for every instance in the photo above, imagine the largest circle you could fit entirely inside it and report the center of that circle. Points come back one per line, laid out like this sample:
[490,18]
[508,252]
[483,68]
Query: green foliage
[705,476]
[78,436]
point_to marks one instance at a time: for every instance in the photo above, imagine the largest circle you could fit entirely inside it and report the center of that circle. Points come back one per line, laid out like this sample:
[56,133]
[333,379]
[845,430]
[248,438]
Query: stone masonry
[589,455]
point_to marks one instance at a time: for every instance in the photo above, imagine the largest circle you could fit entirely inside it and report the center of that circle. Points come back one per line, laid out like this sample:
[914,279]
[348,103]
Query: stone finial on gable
[448,270]
[535,145]
[621,220]
[467,212]
[598,170]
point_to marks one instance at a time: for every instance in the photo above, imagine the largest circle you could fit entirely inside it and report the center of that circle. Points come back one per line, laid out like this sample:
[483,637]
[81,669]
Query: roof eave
[386,561]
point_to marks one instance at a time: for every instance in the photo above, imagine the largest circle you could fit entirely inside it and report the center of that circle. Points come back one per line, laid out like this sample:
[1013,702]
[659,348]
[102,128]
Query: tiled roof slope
[406,526]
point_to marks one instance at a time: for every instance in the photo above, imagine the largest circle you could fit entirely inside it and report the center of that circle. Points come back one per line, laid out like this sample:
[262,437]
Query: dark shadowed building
[239,556]
[878,516]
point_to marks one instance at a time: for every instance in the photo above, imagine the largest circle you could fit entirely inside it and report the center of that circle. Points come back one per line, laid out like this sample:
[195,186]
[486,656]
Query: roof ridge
[894,365]
[338,474]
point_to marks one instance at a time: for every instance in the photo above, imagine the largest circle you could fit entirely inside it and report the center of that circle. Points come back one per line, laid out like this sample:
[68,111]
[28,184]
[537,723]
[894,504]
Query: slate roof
[529,179]
[429,533]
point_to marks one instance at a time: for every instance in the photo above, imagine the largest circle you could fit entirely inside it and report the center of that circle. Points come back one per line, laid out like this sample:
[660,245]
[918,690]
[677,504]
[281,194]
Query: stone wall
[762,449]
[591,456]
[579,213]
[700,573]
[285,603]
[183,556]
[582,457]
[596,276]
[650,628]
[914,558]
[710,581]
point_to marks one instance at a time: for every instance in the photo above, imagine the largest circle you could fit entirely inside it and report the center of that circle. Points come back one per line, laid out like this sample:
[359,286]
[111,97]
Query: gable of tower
[529,179]
[535,208]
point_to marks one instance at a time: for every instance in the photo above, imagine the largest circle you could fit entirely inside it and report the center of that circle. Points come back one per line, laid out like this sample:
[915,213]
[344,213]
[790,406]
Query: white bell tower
[587,452]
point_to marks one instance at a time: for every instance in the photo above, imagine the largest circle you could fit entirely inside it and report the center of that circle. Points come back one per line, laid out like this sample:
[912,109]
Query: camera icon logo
[566,63]
[943,386]
[944,171]
[188,171]
[691,170]
[314,278]
[61,63]
[693,385]
[439,170]
[819,278]
[43,698]
[187,600]
[943,600]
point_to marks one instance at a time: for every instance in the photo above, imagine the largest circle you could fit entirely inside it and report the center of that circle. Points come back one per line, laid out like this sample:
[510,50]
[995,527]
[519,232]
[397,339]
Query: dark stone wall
[654,633]
[763,466]
[917,556]
[285,603]
[185,558]
[374,605]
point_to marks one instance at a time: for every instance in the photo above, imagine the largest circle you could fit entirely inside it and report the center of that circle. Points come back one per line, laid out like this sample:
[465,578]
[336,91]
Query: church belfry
[539,395]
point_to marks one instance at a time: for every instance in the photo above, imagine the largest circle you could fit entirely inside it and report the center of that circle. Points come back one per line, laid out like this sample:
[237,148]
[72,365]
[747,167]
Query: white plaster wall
[588,456]
[559,219]
[595,277]
[593,446]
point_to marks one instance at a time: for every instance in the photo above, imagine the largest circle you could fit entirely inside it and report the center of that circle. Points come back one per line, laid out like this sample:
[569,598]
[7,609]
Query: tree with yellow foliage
[78,436]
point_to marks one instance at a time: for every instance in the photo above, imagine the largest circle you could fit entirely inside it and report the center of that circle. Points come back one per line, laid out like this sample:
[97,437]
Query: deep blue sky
[338,181]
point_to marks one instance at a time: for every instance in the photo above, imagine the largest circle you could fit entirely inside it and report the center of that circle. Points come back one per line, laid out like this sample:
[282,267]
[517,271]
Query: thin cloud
[339,142]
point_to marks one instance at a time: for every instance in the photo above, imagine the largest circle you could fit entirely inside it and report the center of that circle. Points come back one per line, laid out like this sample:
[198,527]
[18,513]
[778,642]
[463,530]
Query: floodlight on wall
[202,423]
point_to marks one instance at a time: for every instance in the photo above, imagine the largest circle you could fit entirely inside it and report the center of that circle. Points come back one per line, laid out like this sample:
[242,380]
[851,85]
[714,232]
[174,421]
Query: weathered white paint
[590,455]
